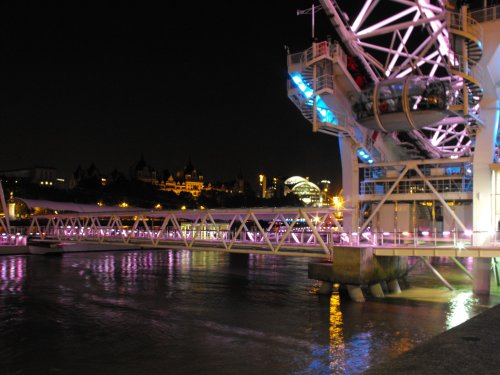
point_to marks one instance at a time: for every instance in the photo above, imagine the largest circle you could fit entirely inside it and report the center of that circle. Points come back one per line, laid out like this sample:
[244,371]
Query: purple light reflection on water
[12,273]
[168,311]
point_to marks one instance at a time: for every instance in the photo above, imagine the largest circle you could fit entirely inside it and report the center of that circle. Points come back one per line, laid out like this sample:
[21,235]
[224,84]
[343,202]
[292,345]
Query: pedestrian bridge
[311,232]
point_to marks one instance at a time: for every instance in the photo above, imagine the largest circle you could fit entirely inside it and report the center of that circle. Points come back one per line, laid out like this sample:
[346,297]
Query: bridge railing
[487,14]
[18,239]
[300,237]
[470,24]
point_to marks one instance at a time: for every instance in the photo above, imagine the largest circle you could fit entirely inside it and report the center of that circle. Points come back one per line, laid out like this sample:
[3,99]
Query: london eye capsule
[403,104]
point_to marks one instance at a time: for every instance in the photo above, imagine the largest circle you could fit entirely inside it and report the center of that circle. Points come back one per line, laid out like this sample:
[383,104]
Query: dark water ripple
[180,312]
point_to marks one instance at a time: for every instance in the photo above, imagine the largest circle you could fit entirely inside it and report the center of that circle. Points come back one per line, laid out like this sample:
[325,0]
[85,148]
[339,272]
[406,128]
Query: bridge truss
[281,231]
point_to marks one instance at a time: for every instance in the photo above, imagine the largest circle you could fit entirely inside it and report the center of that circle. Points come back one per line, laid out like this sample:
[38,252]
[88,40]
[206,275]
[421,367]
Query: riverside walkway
[473,347]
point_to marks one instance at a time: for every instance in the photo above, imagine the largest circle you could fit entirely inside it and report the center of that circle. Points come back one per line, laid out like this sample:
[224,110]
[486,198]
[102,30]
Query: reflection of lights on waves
[460,309]
[12,273]
[337,345]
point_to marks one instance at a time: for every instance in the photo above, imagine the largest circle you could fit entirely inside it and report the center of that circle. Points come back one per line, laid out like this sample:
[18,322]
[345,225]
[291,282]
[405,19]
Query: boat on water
[45,247]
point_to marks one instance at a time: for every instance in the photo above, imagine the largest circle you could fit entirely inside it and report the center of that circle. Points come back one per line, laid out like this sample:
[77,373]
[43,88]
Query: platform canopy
[67,207]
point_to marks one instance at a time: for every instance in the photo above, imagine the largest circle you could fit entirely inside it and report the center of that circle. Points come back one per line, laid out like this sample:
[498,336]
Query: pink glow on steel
[360,18]
[387,21]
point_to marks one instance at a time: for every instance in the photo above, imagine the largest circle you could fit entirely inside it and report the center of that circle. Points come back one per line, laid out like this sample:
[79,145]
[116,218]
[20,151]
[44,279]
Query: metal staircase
[465,38]
[320,80]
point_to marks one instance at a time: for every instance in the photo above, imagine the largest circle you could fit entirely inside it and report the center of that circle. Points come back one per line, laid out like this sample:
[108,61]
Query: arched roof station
[305,185]
[294,180]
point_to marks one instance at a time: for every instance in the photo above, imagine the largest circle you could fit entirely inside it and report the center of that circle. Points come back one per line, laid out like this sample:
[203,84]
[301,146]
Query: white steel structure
[309,232]
[411,89]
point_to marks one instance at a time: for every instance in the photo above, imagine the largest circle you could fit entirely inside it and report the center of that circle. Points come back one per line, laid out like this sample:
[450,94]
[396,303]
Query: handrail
[471,26]
[459,65]
[486,14]
[327,49]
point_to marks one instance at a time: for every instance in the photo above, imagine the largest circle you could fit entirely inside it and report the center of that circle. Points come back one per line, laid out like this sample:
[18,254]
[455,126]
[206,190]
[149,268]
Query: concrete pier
[355,293]
[358,266]
[393,286]
[376,290]
[470,348]
[326,287]
[481,272]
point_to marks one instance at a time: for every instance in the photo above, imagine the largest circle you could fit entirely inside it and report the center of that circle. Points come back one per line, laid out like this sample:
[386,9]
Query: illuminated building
[307,192]
[263,185]
[274,189]
[188,180]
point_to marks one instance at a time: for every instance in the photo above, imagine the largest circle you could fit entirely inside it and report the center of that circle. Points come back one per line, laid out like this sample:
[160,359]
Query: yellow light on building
[100,204]
[183,207]
[158,206]
[338,202]
[123,205]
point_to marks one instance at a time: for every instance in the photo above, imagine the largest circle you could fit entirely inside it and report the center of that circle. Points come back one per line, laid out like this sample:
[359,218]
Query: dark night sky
[205,80]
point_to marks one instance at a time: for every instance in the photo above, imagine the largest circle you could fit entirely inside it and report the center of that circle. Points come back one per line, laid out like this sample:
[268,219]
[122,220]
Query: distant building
[91,174]
[263,185]
[276,188]
[305,190]
[325,186]
[188,180]
[144,172]
[46,176]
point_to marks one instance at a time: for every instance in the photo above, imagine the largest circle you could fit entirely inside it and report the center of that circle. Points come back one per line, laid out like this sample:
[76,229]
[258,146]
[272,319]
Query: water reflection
[460,308]
[12,273]
[337,345]
[142,312]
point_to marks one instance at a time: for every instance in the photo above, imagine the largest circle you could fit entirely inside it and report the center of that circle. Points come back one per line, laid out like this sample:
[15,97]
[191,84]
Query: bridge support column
[376,290]
[393,286]
[482,276]
[350,184]
[355,293]
[326,287]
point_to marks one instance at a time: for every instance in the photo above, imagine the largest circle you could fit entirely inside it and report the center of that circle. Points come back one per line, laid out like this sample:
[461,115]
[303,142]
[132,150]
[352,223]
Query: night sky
[206,80]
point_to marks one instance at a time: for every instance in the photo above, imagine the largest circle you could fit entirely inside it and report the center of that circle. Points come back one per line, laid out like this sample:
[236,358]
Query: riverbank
[14,250]
[472,347]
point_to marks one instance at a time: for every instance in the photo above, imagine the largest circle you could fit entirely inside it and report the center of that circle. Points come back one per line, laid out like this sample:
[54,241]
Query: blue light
[364,156]
[297,79]
[325,114]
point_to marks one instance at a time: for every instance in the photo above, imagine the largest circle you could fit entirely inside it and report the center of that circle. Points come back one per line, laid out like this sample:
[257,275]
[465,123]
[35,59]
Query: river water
[181,312]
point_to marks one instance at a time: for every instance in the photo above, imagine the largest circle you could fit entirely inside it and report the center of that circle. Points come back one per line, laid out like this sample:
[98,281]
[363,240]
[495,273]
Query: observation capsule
[403,104]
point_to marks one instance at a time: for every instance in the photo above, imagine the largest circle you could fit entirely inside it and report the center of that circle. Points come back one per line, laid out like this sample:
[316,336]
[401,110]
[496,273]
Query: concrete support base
[393,286]
[325,288]
[355,293]
[376,290]
[482,276]
[383,284]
